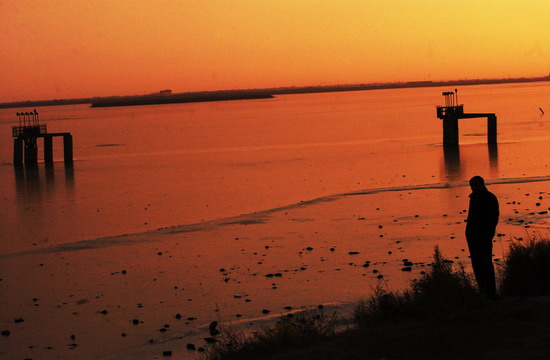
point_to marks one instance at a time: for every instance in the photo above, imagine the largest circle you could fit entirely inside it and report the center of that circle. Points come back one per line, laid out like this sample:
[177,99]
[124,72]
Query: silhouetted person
[480,230]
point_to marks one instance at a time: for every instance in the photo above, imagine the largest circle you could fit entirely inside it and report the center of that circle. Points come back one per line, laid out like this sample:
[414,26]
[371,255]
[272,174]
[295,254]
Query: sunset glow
[65,49]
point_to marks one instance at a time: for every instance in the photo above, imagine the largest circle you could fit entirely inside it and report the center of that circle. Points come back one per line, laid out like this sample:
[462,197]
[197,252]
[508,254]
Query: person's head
[477,184]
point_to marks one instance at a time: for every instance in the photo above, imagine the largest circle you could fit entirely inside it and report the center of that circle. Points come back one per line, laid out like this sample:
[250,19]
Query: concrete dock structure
[452,112]
[25,142]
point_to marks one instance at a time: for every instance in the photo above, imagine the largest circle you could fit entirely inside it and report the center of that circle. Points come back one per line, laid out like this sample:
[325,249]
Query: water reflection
[453,167]
[451,156]
[33,182]
[493,159]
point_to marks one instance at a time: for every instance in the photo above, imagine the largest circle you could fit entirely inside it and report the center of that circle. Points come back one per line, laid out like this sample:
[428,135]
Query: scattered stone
[213,325]
[18,320]
[210,340]
[353,253]
[380,276]
[190,346]
[288,308]
[407,263]
[406,268]
[167,353]
[201,349]
[178,316]
[309,248]
[104,312]
[332,249]
[214,332]
[6,333]
[320,307]
[265,311]
[135,321]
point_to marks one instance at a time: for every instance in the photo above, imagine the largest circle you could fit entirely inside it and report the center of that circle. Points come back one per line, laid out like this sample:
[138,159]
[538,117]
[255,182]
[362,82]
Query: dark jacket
[483,212]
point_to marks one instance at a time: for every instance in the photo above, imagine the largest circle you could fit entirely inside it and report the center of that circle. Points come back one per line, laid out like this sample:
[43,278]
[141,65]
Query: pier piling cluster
[25,142]
[453,111]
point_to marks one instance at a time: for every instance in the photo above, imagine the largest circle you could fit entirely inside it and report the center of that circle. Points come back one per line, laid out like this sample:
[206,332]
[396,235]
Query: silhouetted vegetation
[440,293]
[291,331]
[526,270]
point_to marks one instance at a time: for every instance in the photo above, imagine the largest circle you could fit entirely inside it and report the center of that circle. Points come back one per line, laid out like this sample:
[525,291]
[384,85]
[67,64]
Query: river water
[144,167]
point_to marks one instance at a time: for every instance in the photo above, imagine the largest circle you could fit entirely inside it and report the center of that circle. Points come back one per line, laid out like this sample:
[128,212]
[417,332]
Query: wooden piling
[68,148]
[450,131]
[17,151]
[48,149]
[31,152]
[492,129]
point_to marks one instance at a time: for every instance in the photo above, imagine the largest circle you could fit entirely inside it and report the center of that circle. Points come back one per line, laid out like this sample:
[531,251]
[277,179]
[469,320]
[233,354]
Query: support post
[68,148]
[31,151]
[48,149]
[492,129]
[17,151]
[450,131]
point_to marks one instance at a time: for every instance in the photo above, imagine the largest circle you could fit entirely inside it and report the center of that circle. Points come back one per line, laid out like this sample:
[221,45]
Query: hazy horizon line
[415,83]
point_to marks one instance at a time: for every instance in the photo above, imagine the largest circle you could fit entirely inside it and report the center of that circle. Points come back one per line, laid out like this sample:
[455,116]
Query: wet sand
[135,296]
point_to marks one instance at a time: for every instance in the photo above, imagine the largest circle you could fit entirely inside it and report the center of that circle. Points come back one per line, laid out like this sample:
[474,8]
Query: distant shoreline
[224,95]
[180,98]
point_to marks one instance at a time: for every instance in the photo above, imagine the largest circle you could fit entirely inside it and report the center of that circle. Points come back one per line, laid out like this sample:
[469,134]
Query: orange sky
[80,48]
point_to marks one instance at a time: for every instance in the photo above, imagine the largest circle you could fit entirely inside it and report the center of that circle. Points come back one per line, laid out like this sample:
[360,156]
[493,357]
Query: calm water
[141,168]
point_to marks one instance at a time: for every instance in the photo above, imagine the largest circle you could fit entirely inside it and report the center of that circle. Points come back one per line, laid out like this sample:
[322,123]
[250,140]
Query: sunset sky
[81,48]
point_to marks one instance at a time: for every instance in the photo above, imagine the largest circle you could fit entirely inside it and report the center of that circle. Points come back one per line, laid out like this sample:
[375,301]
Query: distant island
[166,96]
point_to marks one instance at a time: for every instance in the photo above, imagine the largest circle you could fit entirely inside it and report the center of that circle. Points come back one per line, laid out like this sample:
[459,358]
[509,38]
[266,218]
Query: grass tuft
[526,269]
[291,331]
[441,293]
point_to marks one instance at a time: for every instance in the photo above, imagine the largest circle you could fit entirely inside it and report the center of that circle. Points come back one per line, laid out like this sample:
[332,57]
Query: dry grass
[526,269]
